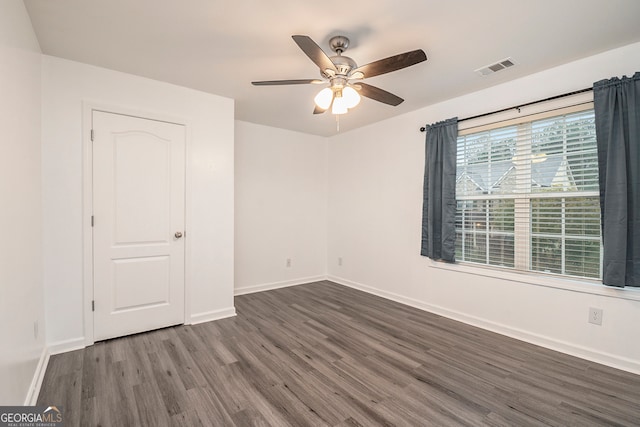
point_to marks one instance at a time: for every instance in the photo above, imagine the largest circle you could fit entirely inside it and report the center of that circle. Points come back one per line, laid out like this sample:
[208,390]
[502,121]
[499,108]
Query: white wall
[21,294]
[375,201]
[210,200]
[281,199]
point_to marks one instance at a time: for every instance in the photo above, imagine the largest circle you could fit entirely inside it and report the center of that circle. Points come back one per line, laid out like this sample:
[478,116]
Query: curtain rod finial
[422,129]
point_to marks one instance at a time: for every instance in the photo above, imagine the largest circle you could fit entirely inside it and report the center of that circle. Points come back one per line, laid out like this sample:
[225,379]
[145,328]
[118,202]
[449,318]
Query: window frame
[523,195]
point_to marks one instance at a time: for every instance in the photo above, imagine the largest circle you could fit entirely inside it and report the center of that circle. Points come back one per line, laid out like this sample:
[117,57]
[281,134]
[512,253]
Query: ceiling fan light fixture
[323,98]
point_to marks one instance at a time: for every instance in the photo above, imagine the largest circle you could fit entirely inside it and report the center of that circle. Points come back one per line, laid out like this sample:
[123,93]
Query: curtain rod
[517,107]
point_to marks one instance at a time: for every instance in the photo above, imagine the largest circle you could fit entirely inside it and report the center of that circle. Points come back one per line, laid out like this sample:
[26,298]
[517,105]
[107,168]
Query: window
[527,194]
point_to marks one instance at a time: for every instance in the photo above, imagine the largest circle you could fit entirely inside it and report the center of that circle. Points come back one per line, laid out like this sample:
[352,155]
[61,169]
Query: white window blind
[527,194]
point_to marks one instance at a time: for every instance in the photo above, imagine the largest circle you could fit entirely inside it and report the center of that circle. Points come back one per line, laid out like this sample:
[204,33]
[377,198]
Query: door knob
[178,234]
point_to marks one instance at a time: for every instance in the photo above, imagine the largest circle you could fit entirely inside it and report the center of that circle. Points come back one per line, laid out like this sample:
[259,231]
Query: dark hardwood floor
[323,354]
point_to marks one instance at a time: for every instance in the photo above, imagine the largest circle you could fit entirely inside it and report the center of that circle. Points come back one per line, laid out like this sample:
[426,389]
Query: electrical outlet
[340,261]
[288,262]
[595,316]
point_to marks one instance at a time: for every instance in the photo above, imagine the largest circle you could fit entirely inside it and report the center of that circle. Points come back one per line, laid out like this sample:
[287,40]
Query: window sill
[574,285]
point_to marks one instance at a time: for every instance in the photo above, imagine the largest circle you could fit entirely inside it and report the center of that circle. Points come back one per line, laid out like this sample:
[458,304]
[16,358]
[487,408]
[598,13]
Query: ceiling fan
[345,77]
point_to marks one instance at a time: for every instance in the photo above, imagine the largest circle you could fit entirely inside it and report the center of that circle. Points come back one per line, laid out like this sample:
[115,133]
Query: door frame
[88,107]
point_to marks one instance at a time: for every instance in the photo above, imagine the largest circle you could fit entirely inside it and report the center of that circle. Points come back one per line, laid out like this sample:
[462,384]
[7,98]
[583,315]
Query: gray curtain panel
[617,114]
[439,192]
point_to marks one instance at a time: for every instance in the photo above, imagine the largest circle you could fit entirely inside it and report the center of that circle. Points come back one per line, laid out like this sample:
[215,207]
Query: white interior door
[138,209]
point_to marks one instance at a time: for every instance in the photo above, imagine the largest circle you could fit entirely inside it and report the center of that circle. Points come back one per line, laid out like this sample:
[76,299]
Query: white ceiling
[220,46]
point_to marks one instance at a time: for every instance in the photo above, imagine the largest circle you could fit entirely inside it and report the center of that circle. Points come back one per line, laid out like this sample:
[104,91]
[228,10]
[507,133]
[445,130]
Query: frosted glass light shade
[350,96]
[323,98]
[339,105]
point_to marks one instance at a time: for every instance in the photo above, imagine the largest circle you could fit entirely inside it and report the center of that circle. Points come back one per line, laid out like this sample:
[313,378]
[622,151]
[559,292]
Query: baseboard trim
[277,285]
[38,378]
[208,316]
[602,358]
[67,345]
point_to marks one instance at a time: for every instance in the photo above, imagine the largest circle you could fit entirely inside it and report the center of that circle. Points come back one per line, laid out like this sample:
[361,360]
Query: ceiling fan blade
[378,94]
[318,110]
[313,51]
[287,82]
[392,63]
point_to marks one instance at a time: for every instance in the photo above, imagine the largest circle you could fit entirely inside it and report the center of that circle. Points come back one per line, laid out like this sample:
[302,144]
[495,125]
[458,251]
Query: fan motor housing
[343,64]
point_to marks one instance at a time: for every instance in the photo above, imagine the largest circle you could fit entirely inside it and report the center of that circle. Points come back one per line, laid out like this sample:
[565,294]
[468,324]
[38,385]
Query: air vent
[495,67]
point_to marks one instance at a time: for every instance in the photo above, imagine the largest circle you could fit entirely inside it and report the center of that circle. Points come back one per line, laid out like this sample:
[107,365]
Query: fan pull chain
[337,122]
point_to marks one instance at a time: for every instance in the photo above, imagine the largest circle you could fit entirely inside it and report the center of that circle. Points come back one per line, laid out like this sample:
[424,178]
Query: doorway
[137,224]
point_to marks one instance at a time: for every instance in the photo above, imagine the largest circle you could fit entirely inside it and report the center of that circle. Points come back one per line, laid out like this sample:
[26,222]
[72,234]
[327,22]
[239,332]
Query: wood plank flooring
[323,354]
